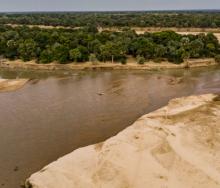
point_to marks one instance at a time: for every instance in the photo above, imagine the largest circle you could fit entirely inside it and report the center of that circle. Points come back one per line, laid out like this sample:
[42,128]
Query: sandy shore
[158,29]
[175,146]
[7,85]
[131,65]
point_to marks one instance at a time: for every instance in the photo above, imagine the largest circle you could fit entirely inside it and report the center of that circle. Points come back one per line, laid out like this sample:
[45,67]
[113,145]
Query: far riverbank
[131,65]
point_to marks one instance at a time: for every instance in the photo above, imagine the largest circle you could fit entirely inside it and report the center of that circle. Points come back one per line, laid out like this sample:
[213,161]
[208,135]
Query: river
[57,112]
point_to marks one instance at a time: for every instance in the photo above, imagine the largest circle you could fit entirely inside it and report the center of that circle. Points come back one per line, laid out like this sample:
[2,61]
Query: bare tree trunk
[112,59]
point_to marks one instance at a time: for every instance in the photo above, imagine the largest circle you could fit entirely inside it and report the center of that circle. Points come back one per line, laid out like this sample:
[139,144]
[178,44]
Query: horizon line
[102,11]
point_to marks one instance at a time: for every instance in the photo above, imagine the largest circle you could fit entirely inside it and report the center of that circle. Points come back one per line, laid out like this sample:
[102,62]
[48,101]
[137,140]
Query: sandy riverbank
[181,31]
[7,85]
[175,146]
[131,65]
[159,29]
[140,30]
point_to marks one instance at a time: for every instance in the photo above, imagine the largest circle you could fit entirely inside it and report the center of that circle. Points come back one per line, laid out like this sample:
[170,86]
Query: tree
[61,52]
[112,51]
[185,43]
[185,48]
[85,53]
[11,51]
[107,51]
[95,46]
[27,49]
[43,38]
[210,49]
[144,47]
[46,56]
[196,48]
[212,45]
[75,55]
[174,52]
[160,51]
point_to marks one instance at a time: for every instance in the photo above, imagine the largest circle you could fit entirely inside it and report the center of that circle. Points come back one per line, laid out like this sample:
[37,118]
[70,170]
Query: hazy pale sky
[101,5]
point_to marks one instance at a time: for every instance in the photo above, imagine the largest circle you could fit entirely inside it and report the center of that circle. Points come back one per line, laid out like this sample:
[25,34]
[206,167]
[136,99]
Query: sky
[105,5]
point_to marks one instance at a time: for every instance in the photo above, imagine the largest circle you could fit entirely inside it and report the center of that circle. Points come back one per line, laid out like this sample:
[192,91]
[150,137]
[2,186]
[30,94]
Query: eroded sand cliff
[177,146]
[11,84]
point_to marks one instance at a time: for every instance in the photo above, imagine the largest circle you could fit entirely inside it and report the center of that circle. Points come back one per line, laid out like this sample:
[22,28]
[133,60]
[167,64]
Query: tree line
[117,19]
[87,44]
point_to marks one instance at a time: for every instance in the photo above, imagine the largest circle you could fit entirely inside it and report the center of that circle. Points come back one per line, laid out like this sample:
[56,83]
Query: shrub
[140,60]
[123,61]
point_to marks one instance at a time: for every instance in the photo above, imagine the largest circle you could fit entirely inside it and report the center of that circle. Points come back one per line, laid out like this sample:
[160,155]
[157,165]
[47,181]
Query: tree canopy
[83,44]
[201,19]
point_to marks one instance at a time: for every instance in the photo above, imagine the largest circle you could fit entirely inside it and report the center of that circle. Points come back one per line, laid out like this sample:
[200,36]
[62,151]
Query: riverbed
[57,112]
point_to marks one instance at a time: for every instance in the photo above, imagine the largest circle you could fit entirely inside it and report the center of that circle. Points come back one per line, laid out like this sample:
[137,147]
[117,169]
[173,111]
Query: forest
[200,19]
[87,44]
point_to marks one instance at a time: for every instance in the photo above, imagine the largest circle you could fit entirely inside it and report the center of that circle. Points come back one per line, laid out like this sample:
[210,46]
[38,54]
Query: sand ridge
[175,146]
[7,85]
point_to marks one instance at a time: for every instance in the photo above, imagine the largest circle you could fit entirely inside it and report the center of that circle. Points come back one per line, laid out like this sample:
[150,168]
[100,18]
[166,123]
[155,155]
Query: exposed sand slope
[177,146]
[11,84]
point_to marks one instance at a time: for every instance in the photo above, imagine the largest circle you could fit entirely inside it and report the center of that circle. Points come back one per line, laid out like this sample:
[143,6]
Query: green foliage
[81,45]
[93,59]
[143,46]
[46,56]
[91,28]
[11,50]
[75,55]
[160,51]
[108,51]
[27,49]
[90,20]
[61,52]
[140,60]
[196,48]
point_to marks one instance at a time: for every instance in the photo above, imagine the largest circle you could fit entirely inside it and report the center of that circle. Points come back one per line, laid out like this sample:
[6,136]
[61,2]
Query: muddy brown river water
[55,113]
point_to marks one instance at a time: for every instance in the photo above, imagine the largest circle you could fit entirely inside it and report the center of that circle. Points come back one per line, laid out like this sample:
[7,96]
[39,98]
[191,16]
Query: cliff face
[177,146]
